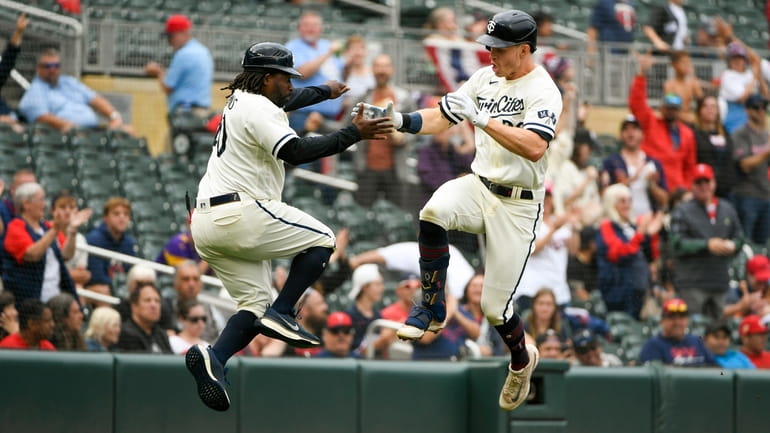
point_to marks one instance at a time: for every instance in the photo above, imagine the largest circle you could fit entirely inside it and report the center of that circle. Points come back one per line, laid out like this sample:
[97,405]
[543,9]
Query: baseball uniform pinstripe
[531,102]
[238,239]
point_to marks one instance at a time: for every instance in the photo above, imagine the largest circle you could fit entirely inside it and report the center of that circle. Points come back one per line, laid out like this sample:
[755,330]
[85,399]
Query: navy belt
[507,191]
[218,200]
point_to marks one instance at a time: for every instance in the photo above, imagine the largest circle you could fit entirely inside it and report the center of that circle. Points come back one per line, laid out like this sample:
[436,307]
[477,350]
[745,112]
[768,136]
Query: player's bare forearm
[520,141]
[433,121]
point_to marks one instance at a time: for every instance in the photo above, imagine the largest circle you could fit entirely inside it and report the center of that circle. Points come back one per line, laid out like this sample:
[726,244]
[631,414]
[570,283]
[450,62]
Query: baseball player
[240,222]
[514,106]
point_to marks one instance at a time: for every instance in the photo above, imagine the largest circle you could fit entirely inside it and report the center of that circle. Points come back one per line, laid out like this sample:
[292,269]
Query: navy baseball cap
[584,341]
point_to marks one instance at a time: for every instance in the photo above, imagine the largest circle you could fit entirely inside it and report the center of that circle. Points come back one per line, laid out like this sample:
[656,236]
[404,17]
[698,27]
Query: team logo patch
[544,114]
[491,26]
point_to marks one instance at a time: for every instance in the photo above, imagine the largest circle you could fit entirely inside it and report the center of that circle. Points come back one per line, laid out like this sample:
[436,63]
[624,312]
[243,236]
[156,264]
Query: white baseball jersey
[531,102]
[244,157]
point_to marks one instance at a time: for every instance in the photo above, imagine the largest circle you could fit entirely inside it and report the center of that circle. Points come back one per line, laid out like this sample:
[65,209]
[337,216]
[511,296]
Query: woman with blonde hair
[103,329]
[624,247]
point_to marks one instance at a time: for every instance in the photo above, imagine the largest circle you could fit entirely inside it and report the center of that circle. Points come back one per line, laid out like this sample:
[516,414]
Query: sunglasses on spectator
[338,331]
[50,65]
[196,319]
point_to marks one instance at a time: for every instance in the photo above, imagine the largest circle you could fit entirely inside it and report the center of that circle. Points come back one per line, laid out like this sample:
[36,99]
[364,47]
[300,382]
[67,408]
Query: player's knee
[432,234]
[493,311]
[320,254]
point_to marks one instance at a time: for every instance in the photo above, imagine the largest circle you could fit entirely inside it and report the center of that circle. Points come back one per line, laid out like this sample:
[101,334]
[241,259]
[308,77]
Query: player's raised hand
[372,128]
[338,89]
[461,106]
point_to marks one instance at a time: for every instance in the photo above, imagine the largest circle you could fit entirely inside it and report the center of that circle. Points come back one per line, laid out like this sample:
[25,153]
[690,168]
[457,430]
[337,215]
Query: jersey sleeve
[272,132]
[543,110]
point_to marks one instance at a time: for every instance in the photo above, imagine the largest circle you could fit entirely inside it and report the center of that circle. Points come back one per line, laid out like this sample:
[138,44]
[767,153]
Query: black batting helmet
[269,55]
[509,28]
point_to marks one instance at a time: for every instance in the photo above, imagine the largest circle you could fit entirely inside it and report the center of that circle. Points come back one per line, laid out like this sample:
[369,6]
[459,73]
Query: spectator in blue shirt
[674,346]
[63,102]
[318,61]
[187,81]
[717,341]
[111,235]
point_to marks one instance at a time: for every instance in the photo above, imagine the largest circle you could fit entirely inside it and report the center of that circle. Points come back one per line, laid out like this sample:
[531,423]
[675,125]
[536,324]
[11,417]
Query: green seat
[618,317]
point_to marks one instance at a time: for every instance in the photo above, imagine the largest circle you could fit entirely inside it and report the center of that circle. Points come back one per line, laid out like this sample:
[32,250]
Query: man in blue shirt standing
[674,346]
[317,60]
[187,81]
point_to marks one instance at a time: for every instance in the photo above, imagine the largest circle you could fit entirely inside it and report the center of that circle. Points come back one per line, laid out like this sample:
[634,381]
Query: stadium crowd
[655,249]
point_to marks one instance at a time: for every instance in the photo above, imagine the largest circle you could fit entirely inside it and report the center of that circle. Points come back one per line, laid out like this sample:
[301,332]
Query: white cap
[362,276]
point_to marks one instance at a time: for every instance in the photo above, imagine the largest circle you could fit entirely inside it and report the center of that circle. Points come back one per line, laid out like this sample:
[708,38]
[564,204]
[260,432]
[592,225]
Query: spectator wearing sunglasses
[63,102]
[193,318]
[337,337]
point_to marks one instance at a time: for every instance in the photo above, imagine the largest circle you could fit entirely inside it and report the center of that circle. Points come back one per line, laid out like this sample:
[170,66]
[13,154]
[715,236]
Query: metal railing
[214,301]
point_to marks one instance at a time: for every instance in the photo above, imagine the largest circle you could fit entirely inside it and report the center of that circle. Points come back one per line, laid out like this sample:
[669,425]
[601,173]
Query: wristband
[412,122]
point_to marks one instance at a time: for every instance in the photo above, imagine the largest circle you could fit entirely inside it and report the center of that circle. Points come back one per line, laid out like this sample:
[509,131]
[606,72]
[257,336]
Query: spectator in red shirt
[666,138]
[754,338]
[35,327]
[35,249]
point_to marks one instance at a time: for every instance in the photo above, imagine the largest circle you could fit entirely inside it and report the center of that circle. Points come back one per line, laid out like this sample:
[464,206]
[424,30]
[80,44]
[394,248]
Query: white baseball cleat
[516,387]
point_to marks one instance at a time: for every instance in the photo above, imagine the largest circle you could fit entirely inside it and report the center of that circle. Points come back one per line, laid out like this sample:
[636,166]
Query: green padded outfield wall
[56,392]
[123,393]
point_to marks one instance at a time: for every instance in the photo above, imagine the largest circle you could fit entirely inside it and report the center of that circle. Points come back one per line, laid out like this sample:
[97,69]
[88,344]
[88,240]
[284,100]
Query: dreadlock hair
[248,81]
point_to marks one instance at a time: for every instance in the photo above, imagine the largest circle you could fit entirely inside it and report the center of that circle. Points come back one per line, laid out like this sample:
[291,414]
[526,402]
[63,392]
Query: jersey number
[220,139]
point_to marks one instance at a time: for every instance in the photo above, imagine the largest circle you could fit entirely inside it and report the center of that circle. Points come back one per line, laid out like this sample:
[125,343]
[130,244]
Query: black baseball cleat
[209,375]
[284,327]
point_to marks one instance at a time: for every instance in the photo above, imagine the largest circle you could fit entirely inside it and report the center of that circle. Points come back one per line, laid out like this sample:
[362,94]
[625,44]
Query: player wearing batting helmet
[514,106]
[240,222]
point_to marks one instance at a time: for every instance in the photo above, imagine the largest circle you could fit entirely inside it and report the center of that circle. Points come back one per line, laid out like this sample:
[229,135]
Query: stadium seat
[618,317]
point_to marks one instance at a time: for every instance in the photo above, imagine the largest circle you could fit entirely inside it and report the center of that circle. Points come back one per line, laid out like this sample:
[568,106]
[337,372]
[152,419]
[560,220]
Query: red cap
[338,319]
[703,171]
[759,267]
[177,23]
[673,307]
[752,325]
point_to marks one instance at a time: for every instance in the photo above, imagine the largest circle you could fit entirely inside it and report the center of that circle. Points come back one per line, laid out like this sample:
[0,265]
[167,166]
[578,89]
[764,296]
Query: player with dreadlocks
[240,222]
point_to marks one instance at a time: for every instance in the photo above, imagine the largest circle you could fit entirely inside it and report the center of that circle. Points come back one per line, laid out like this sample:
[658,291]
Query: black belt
[507,191]
[224,199]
